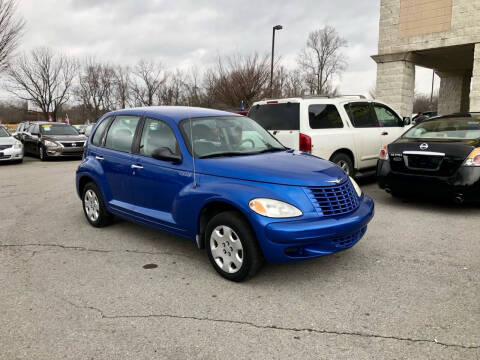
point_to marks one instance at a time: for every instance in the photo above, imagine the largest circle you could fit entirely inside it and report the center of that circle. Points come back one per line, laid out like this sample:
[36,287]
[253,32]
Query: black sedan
[439,156]
[48,140]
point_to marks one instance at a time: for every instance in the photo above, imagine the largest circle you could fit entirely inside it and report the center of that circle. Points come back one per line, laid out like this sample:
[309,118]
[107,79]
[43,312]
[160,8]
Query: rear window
[285,116]
[324,117]
[467,128]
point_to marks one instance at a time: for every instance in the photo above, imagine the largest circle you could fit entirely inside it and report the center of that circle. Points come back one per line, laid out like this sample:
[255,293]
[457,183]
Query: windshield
[227,136]
[4,132]
[455,128]
[57,129]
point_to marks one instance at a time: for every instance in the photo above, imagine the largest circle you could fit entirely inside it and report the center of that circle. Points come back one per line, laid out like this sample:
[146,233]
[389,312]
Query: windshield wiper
[273,149]
[221,155]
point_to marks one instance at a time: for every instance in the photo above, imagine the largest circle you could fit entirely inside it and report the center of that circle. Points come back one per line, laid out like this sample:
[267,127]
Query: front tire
[232,247]
[42,153]
[94,206]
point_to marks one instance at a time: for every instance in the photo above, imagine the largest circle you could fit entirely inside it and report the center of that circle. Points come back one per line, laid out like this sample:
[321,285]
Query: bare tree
[421,103]
[236,79]
[321,59]
[44,78]
[11,29]
[150,76]
[95,88]
[122,86]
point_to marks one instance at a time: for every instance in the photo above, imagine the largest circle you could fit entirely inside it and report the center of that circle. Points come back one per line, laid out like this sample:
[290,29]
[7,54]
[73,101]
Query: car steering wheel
[248,140]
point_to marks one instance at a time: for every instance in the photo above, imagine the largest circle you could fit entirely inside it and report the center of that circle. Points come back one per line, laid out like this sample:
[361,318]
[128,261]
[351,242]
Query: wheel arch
[211,209]
[347,152]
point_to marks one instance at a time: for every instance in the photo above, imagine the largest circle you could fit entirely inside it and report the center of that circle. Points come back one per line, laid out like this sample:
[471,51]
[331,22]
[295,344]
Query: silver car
[11,149]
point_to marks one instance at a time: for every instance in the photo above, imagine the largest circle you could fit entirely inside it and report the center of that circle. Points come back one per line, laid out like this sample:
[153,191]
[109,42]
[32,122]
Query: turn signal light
[383,153]
[305,143]
[473,159]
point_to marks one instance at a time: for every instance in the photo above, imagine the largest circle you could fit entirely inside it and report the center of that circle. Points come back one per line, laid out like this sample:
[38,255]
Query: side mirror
[165,154]
[407,121]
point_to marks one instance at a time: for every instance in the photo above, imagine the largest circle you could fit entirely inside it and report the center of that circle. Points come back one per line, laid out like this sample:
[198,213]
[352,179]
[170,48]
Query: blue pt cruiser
[223,181]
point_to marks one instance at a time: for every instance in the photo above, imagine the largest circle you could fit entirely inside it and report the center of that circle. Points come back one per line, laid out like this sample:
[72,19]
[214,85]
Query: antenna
[193,156]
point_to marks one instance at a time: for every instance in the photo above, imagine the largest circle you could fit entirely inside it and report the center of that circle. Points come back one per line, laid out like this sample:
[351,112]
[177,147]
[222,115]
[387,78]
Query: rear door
[117,160]
[391,124]
[366,132]
[281,119]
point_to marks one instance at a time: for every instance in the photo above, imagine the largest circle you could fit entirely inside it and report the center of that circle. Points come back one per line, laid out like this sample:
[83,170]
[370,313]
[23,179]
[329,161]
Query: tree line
[86,88]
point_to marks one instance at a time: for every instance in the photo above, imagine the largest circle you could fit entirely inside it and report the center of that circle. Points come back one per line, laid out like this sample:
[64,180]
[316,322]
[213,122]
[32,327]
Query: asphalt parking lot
[410,289]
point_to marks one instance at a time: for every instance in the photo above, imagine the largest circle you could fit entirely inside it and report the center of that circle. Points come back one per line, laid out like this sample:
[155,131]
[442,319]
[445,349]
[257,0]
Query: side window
[324,117]
[386,117]
[361,115]
[157,134]
[98,136]
[121,132]
[34,129]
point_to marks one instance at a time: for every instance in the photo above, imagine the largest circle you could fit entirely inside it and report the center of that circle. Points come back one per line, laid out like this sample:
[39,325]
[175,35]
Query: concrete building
[443,35]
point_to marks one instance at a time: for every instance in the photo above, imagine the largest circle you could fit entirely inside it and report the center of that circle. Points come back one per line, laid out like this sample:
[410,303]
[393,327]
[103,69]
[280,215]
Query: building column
[396,85]
[453,96]
[475,87]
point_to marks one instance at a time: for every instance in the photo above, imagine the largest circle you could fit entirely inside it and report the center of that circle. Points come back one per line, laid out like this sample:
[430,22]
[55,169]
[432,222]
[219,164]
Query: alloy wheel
[92,205]
[226,249]
[344,165]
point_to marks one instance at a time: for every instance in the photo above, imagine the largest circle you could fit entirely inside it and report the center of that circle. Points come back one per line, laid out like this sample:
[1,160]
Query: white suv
[347,130]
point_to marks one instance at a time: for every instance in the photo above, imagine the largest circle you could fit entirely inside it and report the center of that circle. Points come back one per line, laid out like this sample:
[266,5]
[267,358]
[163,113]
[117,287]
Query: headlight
[356,187]
[274,208]
[473,159]
[49,143]
[18,145]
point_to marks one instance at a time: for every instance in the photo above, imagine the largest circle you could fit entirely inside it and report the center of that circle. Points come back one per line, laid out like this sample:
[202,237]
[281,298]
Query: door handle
[99,157]
[137,167]
[384,133]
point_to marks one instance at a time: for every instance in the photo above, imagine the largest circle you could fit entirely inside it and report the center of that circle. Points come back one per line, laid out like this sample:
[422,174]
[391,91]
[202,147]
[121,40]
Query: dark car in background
[440,157]
[47,140]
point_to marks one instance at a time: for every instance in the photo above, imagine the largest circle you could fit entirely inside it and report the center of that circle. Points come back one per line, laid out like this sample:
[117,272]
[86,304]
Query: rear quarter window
[324,116]
[284,116]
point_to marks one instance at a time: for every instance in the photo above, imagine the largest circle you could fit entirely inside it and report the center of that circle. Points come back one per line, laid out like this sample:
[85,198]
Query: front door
[391,124]
[117,160]
[157,183]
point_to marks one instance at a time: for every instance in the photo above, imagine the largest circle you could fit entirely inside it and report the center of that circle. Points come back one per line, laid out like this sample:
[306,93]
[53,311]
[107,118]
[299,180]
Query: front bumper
[465,182]
[11,154]
[308,238]
[65,151]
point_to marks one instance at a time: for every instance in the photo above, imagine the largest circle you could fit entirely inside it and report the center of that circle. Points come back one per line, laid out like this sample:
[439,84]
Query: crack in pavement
[81,248]
[274,327]
[238,322]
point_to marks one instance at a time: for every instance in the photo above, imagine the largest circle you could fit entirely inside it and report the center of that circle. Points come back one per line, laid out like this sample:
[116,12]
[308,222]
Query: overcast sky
[185,33]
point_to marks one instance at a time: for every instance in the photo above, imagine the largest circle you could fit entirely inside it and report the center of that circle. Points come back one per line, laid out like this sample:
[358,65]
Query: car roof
[339,100]
[454,115]
[174,113]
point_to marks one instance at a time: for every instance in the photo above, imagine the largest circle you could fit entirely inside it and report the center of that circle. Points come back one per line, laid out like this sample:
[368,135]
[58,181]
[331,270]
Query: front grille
[4,147]
[5,156]
[334,200]
[71,144]
[348,240]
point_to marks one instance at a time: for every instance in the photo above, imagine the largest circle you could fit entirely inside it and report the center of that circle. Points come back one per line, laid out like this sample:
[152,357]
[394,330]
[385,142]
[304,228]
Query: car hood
[64,137]
[7,140]
[285,167]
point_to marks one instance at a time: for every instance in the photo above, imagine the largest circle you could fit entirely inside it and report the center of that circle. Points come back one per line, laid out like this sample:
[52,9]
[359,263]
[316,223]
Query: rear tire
[232,247]
[94,206]
[345,162]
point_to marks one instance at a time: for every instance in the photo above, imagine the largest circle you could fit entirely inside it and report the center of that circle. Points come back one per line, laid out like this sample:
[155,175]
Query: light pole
[318,84]
[276,27]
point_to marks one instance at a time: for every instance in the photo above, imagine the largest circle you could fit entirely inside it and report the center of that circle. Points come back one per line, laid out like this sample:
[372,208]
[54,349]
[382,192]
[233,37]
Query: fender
[92,169]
